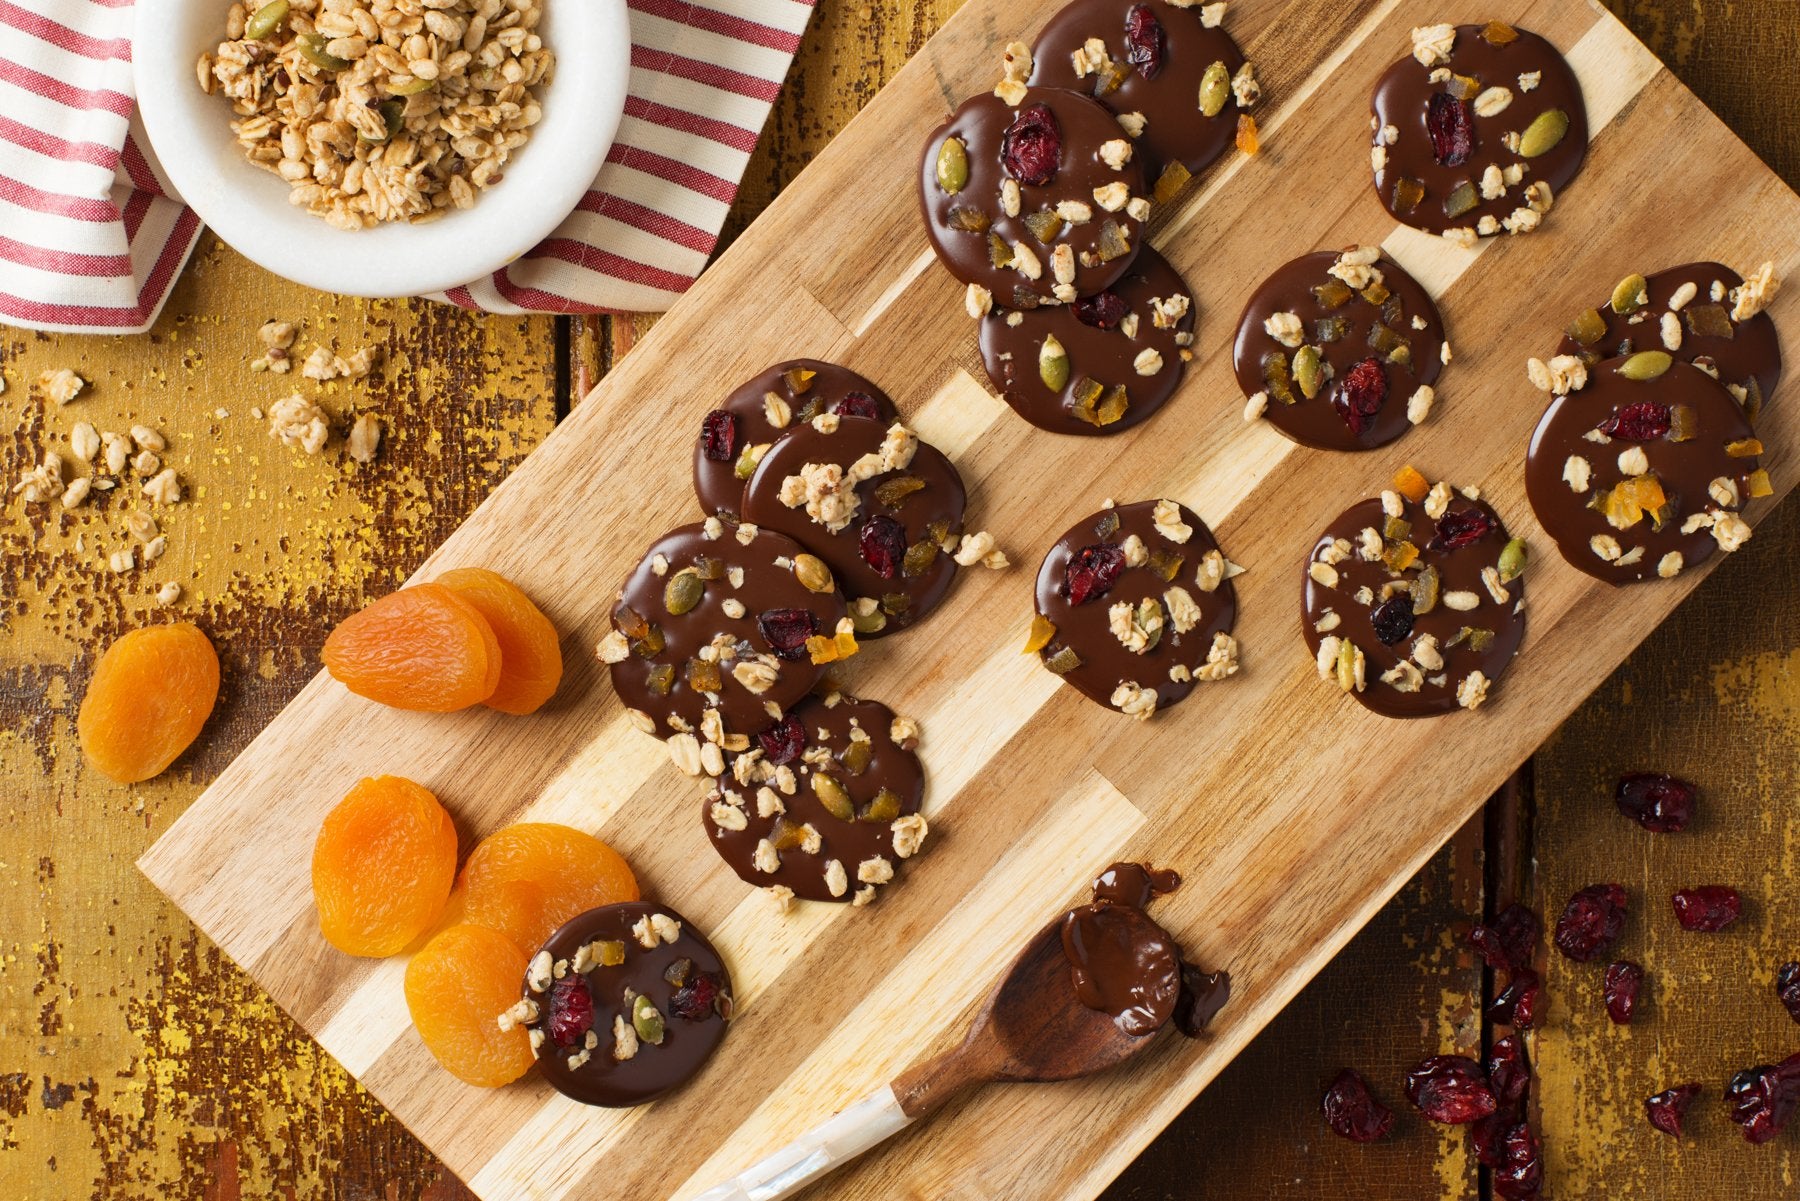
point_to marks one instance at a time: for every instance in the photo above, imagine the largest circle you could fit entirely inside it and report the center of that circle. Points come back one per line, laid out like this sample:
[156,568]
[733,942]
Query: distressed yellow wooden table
[136,1064]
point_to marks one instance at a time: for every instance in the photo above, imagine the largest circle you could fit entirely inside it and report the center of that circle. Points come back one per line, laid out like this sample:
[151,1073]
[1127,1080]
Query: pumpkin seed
[1053,364]
[747,459]
[1630,295]
[812,573]
[266,20]
[683,592]
[647,1021]
[312,48]
[1513,560]
[1346,665]
[1646,365]
[1215,89]
[1544,134]
[1306,371]
[870,620]
[393,113]
[413,88]
[831,794]
[1150,610]
[952,166]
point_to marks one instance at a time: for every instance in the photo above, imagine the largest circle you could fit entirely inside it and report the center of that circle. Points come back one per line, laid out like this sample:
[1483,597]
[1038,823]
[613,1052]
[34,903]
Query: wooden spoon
[1032,1027]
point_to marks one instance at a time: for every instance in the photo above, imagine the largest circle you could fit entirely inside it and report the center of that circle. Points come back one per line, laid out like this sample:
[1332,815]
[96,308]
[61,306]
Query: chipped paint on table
[136,1063]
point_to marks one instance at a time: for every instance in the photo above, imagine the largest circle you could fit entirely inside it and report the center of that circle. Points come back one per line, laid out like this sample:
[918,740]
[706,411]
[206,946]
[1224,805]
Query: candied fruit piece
[1757,484]
[697,998]
[423,648]
[1333,293]
[799,379]
[456,988]
[1174,177]
[1591,922]
[1165,563]
[652,644]
[1279,380]
[382,867]
[1400,556]
[1112,406]
[831,793]
[856,756]
[660,678]
[1031,146]
[1328,330]
[703,675]
[968,220]
[1352,1111]
[1410,484]
[1044,225]
[1408,194]
[1113,242]
[1042,631]
[1499,33]
[530,645]
[526,879]
[919,558]
[1450,1089]
[150,694]
[1107,526]
[786,834]
[999,253]
[891,492]
[1063,661]
[1425,590]
[885,807]
[1462,199]
[1709,321]
[1744,448]
[1247,140]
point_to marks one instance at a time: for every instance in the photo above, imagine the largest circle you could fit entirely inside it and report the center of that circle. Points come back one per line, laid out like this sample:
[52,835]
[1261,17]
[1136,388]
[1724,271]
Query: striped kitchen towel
[92,236]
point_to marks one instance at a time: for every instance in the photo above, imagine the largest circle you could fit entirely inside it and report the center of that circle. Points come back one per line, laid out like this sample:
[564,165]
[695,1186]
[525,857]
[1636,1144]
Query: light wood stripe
[1291,813]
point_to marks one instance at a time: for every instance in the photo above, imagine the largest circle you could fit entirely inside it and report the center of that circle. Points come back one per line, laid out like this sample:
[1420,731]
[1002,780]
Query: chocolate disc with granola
[1134,607]
[1701,313]
[1413,601]
[824,805]
[623,1004]
[737,433]
[1033,203]
[1639,471]
[1100,365]
[881,508]
[1340,351]
[1173,78]
[1478,132]
[709,637]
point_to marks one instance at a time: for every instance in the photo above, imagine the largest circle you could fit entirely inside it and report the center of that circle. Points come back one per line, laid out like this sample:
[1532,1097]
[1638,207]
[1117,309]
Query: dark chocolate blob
[1404,101]
[1149,309]
[808,387]
[693,1024]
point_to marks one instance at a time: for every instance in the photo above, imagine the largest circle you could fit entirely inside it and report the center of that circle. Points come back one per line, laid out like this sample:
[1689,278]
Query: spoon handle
[825,1147]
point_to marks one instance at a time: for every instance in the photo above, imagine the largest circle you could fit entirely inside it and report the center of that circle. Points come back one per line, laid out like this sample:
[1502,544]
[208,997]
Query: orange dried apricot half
[151,692]
[457,987]
[527,879]
[382,866]
[423,648]
[530,651]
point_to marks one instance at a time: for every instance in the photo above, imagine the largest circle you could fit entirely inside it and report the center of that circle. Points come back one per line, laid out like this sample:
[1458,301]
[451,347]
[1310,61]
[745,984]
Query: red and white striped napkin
[92,236]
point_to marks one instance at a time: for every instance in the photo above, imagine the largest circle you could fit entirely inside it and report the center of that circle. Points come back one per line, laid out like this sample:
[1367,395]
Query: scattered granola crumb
[364,439]
[299,422]
[168,594]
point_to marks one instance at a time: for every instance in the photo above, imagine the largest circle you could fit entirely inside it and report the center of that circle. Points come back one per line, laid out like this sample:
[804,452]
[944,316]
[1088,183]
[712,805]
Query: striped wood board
[1292,812]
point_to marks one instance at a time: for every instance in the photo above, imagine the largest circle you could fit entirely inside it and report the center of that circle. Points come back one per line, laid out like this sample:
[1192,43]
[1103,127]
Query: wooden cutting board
[1293,813]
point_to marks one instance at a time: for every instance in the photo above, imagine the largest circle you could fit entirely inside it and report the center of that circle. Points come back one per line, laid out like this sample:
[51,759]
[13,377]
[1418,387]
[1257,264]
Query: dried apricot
[423,648]
[382,866]
[151,692]
[527,879]
[530,652]
[456,989]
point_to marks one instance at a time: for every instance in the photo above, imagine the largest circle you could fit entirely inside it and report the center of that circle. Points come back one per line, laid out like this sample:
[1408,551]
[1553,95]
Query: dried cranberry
[786,630]
[571,1010]
[782,742]
[1708,908]
[1591,922]
[1102,310]
[1761,1099]
[1623,980]
[857,404]
[1662,804]
[1352,1111]
[1488,1136]
[1520,1174]
[718,436]
[1787,988]
[882,541]
[1451,123]
[1393,619]
[1666,1109]
[1361,395]
[1091,573]
[1202,995]
[1509,942]
[1508,1070]
[1465,527]
[1517,1003]
[694,999]
[1144,40]
[1450,1089]
[1031,147]
[1640,421]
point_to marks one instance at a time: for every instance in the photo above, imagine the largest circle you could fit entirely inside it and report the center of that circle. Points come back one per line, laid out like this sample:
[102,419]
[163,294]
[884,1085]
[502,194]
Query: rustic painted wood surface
[117,1018]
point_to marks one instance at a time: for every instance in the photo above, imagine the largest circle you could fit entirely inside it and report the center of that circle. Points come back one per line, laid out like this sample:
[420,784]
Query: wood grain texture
[1290,870]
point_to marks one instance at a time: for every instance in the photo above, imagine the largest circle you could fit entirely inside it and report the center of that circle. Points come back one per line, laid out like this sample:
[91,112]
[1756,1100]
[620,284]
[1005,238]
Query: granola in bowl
[382,110]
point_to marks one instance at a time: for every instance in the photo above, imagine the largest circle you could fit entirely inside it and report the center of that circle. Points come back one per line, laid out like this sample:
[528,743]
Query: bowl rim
[189,132]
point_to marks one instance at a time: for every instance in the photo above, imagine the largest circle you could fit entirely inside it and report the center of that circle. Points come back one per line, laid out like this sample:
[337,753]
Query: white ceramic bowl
[248,207]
